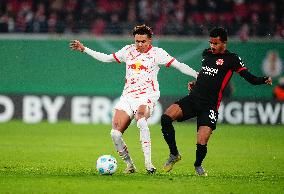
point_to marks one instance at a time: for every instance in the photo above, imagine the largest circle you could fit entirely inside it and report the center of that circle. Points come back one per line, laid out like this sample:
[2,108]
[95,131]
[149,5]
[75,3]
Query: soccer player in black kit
[218,65]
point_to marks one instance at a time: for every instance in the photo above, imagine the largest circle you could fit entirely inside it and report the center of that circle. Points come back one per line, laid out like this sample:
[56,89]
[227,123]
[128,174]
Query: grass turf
[60,158]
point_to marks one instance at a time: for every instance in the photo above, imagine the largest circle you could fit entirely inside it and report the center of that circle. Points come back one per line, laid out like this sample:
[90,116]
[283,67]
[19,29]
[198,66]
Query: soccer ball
[106,165]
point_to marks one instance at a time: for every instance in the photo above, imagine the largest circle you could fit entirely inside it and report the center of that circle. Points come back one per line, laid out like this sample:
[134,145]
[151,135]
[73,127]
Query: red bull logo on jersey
[137,67]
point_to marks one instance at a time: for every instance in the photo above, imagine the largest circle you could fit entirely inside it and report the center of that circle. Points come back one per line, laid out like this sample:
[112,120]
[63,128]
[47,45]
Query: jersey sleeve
[163,58]
[120,55]
[237,64]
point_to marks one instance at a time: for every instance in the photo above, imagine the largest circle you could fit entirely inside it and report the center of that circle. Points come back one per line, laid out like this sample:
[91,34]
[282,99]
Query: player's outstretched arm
[77,45]
[255,80]
[184,68]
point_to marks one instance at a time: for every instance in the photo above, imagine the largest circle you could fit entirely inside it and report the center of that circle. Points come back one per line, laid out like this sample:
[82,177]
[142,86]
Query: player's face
[142,42]
[216,45]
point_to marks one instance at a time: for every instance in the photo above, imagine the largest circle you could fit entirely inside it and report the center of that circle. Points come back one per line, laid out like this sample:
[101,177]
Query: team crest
[219,62]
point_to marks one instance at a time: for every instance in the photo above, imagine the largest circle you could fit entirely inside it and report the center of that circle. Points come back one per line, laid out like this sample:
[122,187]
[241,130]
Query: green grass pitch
[60,158]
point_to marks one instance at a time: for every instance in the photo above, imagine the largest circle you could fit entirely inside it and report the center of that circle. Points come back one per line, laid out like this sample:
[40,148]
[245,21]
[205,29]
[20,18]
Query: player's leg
[121,121]
[141,116]
[203,136]
[173,113]
[206,123]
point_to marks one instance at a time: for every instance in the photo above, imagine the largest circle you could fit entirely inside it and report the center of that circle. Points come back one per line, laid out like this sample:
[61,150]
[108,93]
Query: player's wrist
[82,49]
[265,78]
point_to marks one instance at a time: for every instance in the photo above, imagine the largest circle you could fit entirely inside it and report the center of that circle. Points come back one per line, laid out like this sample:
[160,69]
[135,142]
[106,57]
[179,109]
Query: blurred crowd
[243,18]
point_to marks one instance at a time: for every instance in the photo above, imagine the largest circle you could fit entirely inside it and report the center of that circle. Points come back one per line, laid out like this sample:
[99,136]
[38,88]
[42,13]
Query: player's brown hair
[143,30]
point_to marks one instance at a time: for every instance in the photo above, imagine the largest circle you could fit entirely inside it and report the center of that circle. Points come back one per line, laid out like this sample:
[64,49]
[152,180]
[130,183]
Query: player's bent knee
[115,134]
[117,126]
[142,123]
[166,122]
[166,119]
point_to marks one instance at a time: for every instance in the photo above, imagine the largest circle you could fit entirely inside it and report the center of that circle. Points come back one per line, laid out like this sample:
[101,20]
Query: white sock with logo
[120,146]
[145,140]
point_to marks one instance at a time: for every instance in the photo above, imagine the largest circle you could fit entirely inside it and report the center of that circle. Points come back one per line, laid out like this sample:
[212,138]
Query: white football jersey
[142,70]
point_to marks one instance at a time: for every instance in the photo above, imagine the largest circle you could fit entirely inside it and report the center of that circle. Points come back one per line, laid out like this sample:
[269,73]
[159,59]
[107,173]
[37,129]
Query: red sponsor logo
[132,66]
[219,62]
[137,67]
[142,67]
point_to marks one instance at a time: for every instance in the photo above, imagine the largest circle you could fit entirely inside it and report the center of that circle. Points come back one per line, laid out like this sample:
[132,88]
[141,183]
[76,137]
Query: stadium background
[44,86]
[36,61]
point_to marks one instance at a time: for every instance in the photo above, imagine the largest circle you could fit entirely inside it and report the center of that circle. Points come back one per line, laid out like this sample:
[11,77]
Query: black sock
[169,133]
[201,151]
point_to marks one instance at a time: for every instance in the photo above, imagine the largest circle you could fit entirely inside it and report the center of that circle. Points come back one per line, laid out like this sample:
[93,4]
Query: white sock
[145,140]
[120,146]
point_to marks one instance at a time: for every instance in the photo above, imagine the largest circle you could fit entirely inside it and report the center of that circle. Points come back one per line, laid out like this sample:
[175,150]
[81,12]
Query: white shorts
[130,105]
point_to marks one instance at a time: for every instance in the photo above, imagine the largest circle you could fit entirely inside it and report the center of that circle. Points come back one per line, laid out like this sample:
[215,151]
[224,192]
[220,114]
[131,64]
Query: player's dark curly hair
[143,30]
[219,32]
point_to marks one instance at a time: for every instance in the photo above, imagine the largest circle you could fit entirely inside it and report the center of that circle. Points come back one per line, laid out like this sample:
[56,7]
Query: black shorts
[191,108]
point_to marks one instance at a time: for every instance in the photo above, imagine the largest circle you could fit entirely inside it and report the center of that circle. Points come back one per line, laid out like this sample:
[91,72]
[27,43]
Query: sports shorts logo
[213,116]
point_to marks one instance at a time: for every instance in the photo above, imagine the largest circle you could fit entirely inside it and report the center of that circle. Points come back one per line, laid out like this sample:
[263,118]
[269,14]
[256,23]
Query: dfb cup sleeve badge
[219,62]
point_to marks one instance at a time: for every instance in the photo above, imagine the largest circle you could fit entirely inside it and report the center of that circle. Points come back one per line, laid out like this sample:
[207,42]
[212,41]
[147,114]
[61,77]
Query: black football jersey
[216,72]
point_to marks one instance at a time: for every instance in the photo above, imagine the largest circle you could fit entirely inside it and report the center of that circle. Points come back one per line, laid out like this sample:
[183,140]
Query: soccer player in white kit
[141,91]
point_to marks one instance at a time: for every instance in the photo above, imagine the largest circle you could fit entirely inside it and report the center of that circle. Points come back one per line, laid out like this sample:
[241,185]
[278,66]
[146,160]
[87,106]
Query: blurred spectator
[98,26]
[4,20]
[272,64]
[244,18]
[280,30]
[87,14]
[190,28]
[114,26]
[40,22]
[244,32]
[52,22]
[255,25]
[278,91]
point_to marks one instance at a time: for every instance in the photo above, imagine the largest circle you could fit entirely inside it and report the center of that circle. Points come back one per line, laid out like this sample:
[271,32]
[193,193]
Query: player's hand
[191,85]
[268,81]
[76,45]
